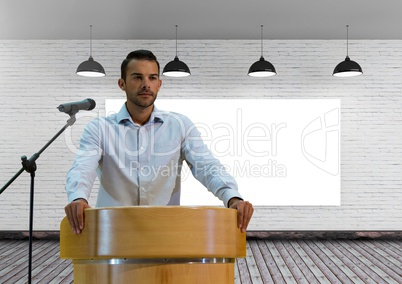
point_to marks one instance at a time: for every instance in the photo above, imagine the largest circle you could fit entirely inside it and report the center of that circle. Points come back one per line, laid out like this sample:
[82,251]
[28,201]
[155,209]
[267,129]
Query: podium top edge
[178,207]
[154,232]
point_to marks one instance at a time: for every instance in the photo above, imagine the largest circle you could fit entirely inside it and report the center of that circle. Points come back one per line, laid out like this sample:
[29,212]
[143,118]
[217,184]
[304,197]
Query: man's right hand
[75,214]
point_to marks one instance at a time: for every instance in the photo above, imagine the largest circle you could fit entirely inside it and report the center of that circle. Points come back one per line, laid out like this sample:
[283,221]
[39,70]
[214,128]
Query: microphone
[74,107]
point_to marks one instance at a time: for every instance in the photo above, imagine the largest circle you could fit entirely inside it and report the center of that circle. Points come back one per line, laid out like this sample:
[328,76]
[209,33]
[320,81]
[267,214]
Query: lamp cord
[176,40]
[261,42]
[347,40]
[90,40]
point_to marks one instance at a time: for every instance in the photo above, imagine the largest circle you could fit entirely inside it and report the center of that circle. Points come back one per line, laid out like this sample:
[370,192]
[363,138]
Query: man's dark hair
[140,54]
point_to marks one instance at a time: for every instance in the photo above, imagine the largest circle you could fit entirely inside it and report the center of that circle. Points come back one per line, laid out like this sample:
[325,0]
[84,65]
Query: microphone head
[92,104]
[60,108]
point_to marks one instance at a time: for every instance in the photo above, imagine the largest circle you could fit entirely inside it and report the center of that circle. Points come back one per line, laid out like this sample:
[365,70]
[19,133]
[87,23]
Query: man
[137,153]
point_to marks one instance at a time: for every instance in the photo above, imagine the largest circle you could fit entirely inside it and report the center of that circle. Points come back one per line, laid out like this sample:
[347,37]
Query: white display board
[281,152]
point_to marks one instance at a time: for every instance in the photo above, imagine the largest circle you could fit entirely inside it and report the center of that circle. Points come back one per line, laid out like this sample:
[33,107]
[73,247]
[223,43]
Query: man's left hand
[244,212]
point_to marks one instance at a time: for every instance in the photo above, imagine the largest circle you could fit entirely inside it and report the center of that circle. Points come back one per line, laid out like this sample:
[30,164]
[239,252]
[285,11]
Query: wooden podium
[170,244]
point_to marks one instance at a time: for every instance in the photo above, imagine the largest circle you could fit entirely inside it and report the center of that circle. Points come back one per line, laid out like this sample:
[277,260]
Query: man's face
[142,82]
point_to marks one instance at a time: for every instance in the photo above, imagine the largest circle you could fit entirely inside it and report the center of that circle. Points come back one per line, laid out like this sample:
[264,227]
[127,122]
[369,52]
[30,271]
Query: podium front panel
[170,243]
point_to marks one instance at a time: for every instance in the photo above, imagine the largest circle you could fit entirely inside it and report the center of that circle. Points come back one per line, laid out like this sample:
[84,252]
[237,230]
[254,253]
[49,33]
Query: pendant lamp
[90,68]
[262,68]
[347,68]
[176,68]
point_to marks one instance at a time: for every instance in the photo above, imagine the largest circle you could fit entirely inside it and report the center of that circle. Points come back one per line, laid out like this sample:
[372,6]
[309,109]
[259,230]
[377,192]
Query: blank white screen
[281,152]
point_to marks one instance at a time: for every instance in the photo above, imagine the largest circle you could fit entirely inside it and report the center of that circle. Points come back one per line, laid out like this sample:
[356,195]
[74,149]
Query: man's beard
[140,103]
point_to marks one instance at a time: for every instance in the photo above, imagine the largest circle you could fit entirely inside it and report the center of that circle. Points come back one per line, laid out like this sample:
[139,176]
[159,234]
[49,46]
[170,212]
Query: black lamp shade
[262,68]
[90,68]
[347,68]
[176,68]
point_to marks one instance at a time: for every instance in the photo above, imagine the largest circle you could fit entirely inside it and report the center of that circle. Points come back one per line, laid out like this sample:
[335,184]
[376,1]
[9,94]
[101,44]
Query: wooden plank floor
[267,261]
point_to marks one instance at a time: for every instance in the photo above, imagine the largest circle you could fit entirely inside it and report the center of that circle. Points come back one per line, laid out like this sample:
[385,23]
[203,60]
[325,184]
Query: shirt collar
[124,115]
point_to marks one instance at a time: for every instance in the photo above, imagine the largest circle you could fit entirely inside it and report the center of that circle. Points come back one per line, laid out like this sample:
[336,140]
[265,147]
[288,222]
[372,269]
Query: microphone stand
[29,165]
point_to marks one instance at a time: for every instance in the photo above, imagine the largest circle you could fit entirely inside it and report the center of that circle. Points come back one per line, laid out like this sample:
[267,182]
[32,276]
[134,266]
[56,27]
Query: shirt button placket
[143,166]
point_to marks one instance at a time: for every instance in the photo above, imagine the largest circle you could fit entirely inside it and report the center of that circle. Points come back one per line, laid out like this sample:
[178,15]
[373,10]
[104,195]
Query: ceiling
[200,19]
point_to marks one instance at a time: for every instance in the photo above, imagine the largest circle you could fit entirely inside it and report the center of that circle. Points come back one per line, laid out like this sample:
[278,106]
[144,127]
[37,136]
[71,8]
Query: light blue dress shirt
[141,165]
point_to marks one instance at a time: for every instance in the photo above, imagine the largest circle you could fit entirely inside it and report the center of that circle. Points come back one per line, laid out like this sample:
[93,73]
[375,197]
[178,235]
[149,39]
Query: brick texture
[37,76]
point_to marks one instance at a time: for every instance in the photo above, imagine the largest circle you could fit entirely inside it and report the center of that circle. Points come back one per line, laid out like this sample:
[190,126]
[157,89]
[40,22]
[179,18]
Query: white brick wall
[37,76]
